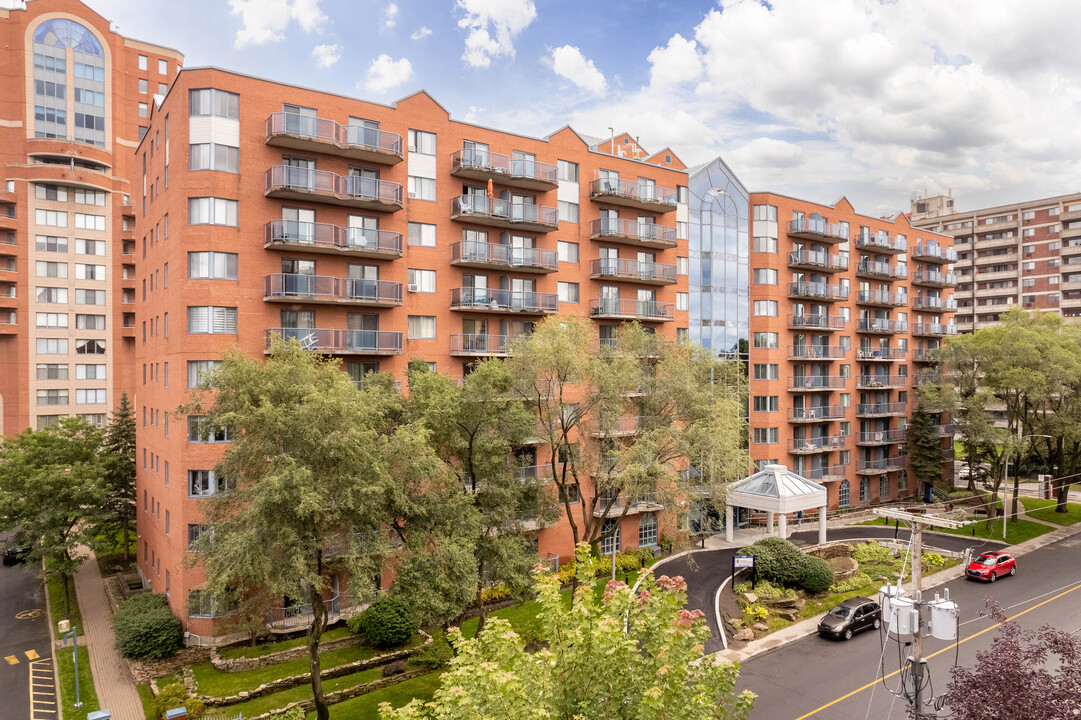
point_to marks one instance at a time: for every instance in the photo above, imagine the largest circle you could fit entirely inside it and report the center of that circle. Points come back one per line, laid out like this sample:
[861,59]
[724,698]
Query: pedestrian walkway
[112,680]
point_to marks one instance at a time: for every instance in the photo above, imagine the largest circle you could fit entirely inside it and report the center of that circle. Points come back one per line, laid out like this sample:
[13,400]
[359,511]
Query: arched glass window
[61,32]
[647,530]
[865,490]
[612,542]
[884,488]
[842,494]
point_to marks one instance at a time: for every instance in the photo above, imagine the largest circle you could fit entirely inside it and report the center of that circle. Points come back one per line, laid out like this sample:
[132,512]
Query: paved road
[24,639]
[705,570]
[792,688]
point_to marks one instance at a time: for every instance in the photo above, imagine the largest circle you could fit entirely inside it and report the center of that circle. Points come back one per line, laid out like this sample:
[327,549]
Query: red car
[991,565]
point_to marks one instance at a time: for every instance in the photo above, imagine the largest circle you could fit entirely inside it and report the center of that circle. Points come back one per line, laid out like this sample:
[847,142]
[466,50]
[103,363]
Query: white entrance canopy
[777,491]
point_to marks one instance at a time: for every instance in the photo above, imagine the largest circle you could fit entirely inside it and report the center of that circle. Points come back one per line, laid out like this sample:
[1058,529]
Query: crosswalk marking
[42,702]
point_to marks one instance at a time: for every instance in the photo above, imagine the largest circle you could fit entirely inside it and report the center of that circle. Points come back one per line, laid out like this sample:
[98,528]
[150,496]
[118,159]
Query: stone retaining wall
[831,550]
[143,671]
[232,665]
[347,694]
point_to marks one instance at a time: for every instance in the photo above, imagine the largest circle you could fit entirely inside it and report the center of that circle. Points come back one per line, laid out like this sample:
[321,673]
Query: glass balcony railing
[324,236]
[497,163]
[633,229]
[343,342]
[633,190]
[327,288]
[469,251]
[328,131]
[504,300]
[632,269]
[640,309]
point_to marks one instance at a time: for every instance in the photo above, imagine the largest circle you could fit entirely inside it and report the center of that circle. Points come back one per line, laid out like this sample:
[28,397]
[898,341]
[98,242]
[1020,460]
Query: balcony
[644,310]
[815,352]
[817,291]
[621,427]
[330,239]
[881,437]
[645,503]
[816,321]
[934,278]
[881,298]
[493,212]
[503,170]
[933,329]
[8,324]
[817,229]
[834,473]
[880,326]
[1070,232]
[886,354]
[8,218]
[925,354]
[821,413]
[985,243]
[934,304]
[329,290]
[948,430]
[988,258]
[992,275]
[1072,248]
[293,183]
[340,342]
[313,134]
[479,345]
[880,466]
[631,193]
[493,255]
[647,273]
[632,232]
[872,381]
[881,243]
[503,301]
[815,445]
[881,270]
[869,410]
[817,260]
[815,383]
[933,254]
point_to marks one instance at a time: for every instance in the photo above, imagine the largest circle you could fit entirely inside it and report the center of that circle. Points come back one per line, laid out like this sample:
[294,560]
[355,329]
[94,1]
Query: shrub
[146,629]
[816,575]
[566,573]
[630,561]
[603,568]
[173,696]
[857,582]
[356,624]
[387,622]
[776,560]
[765,589]
[294,713]
[433,657]
[757,613]
[933,559]
[740,588]
[873,554]
[495,593]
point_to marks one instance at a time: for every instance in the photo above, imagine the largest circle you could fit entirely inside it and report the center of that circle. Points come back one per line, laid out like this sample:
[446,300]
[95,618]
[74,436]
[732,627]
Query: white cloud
[569,62]
[390,16]
[766,152]
[264,21]
[420,33]
[326,55]
[675,63]
[493,25]
[385,73]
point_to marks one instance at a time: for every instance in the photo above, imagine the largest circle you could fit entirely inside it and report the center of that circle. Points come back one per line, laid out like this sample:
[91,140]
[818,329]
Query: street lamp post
[1016,482]
[63,626]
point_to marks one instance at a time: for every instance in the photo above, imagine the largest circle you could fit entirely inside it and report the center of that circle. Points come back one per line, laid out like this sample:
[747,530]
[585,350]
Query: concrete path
[112,680]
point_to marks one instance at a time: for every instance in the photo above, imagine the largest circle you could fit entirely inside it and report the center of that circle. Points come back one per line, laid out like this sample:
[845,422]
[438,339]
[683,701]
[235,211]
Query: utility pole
[916,662]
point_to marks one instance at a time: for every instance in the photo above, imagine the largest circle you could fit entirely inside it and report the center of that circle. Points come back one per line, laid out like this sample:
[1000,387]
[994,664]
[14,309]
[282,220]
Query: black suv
[851,616]
[14,555]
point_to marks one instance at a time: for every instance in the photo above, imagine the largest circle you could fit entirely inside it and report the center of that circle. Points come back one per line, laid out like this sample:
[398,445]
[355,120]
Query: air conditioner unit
[412,287]
[412,195]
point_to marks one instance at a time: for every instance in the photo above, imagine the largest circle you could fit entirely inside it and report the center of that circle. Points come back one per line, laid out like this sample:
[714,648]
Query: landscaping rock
[750,597]
[744,635]
[791,614]
[394,668]
[761,626]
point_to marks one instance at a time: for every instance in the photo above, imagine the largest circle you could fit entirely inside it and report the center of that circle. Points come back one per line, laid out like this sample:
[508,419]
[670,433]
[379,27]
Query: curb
[52,640]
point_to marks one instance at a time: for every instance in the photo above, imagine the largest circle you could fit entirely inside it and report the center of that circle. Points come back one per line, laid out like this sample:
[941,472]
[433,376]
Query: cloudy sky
[875,100]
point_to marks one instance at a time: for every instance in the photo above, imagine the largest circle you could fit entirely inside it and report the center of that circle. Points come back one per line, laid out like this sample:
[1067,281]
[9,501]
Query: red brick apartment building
[845,311]
[75,97]
[368,232]
[1017,254]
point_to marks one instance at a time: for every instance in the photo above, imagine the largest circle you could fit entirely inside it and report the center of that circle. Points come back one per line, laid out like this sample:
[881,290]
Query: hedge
[146,629]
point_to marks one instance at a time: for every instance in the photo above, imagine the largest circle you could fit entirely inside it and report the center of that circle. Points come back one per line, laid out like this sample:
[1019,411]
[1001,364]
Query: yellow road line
[31,654]
[939,652]
[12,660]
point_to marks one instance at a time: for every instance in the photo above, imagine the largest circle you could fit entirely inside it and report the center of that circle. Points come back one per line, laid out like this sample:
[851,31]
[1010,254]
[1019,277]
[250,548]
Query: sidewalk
[116,690]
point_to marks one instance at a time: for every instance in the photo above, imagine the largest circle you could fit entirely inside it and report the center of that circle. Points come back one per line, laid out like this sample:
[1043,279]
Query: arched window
[842,494]
[884,488]
[865,490]
[61,32]
[647,530]
[612,541]
[902,480]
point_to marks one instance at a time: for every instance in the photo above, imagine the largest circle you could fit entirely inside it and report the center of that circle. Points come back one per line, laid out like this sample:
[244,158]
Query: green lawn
[1045,510]
[366,707]
[146,696]
[56,599]
[215,683]
[258,706]
[87,694]
[267,649]
[1016,532]
[958,450]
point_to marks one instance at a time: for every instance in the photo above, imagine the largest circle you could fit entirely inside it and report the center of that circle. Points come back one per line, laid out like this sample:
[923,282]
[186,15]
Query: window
[421,327]
[163,67]
[144,110]
[89,222]
[52,295]
[213,156]
[142,62]
[52,397]
[765,436]
[163,89]
[843,494]
[846,399]
[421,281]
[765,276]
[765,308]
[902,481]
[205,482]
[763,371]
[46,371]
[683,266]
[683,230]
[212,265]
[610,532]
[200,432]
[219,103]
[683,301]
[52,320]
[198,370]
[568,292]
[421,188]
[90,397]
[766,403]
[765,245]
[96,419]
[56,193]
[51,218]
[567,171]
[212,319]
[143,86]
[422,142]
[422,234]
[681,193]
[647,530]
[212,211]
[52,346]
[48,243]
[89,272]
[48,421]
[568,211]
[765,212]
[89,297]
[766,340]
[865,490]
[89,322]
[567,251]
[89,247]
[89,347]
[194,531]
[90,197]
[89,372]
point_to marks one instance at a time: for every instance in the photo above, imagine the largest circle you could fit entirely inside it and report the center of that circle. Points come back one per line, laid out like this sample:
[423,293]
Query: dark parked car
[991,565]
[850,617]
[14,555]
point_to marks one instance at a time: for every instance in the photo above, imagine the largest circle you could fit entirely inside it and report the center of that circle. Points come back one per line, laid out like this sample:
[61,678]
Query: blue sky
[873,100]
